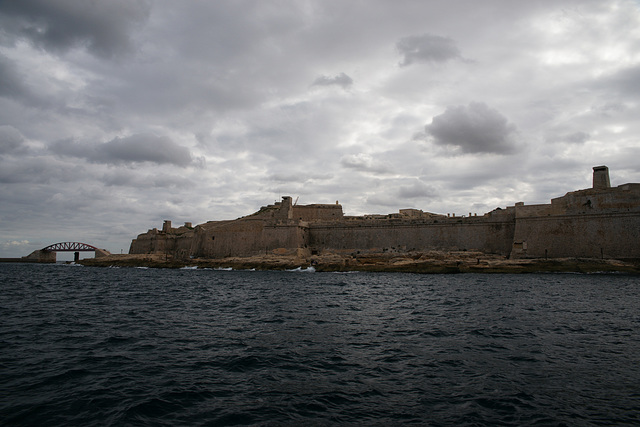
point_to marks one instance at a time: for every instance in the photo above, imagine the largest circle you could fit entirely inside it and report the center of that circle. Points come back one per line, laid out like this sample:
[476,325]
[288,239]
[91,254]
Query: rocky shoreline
[432,262]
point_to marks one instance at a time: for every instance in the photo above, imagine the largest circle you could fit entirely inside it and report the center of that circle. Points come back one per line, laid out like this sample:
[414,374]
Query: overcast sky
[116,115]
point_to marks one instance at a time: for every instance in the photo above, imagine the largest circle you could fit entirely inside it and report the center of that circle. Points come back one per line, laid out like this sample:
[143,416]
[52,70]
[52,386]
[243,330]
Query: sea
[195,347]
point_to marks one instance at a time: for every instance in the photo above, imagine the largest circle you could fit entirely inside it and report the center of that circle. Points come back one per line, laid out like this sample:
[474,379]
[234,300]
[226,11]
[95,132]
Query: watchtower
[601,178]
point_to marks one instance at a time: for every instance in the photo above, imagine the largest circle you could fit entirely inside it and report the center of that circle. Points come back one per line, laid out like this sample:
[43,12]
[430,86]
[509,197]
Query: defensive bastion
[599,222]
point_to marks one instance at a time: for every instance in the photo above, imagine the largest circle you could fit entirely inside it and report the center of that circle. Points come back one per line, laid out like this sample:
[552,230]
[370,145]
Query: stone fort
[598,222]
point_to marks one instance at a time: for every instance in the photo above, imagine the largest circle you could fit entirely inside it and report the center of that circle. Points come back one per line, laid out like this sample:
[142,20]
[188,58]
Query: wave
[304,270]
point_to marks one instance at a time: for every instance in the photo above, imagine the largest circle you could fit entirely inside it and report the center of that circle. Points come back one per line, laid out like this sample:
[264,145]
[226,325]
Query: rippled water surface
[105,346]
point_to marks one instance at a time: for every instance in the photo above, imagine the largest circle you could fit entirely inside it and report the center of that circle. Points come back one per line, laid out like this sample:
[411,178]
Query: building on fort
[599,222]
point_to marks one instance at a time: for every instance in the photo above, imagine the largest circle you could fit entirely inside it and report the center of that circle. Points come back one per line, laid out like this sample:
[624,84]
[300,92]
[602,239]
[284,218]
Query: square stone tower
[601,177]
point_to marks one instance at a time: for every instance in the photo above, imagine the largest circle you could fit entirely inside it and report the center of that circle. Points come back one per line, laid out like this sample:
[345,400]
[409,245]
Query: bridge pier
[40,256]
[101,252]
[76,256]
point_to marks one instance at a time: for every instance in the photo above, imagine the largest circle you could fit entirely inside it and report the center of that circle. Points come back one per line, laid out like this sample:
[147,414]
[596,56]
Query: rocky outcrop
[432,262]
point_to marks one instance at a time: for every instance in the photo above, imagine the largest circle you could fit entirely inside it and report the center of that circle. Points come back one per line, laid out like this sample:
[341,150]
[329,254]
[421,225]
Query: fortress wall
[246,238]
[611,235]
[486,236]
[149,242]
[236,238]
[177,242]
[284,236]
[180,244]
[532,210]
[317,212]
[278,211]
[624,198]
[140,245]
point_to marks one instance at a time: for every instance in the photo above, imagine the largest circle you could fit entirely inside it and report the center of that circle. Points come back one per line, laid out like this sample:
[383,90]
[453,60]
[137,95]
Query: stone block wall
[611,235]
[318,212]
[463,234]
[246,237]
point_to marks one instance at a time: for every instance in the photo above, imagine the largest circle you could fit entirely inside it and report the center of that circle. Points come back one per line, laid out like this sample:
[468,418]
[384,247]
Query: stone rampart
[605,235]
[525,211]
[318,212]
[599,222]
[624,198]
[448,235]
[247,237]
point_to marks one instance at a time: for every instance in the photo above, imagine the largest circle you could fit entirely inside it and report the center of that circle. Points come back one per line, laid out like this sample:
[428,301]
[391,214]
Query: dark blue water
[92,346]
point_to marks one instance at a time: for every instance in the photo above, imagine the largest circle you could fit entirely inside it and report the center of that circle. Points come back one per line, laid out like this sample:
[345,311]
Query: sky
[117,115]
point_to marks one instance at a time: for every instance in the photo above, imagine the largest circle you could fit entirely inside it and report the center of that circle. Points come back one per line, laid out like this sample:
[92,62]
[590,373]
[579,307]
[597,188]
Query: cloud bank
[135,148]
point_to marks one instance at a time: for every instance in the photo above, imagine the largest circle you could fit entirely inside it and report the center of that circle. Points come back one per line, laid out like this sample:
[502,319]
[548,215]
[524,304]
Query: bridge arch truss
[70,247]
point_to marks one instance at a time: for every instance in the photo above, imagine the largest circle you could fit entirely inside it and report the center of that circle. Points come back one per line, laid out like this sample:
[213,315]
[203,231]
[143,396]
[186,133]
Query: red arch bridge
[49,253]
[70,247]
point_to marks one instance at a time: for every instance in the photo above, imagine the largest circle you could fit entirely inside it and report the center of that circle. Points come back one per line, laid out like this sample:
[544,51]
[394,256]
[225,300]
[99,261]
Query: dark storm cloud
[364,163]
[15,87]
[573,138]
[298,176]
[416,189]
[341,79]
[146,148]
[36,170]
[610,109]
[57,25]
[134,148]
[427,48]
[11,85]
[136,179]
[10,139]
[625,81]
[475,128]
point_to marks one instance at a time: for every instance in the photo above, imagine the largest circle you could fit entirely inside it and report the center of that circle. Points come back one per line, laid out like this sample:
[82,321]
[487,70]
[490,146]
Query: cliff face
[599,222]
